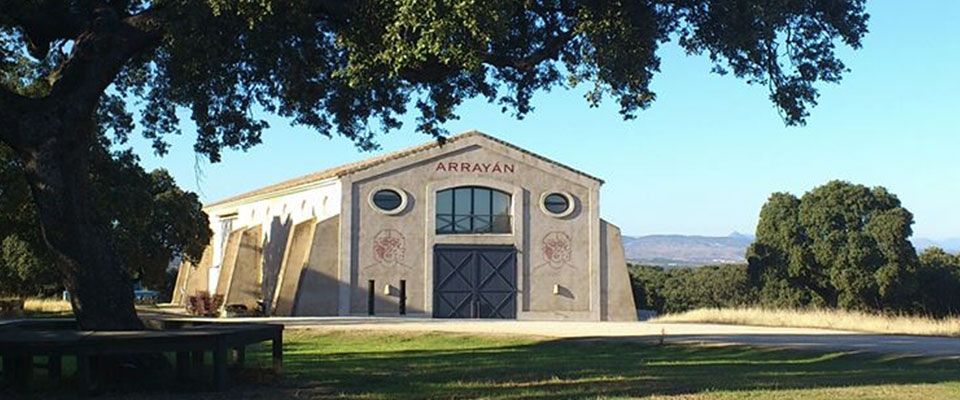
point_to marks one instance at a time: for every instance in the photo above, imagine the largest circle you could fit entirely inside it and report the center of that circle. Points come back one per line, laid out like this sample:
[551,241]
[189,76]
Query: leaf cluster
[152,220]
[352,67]
[840,245]
[682,289]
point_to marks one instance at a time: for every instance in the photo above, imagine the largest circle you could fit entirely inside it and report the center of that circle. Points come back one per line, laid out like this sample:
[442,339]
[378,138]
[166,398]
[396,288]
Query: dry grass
[827,319]
[46,306]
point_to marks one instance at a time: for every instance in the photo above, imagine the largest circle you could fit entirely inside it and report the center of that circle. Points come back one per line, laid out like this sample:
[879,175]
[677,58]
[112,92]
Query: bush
[11,307]
[241,310]
[939,278]
[204,305]
[683,289]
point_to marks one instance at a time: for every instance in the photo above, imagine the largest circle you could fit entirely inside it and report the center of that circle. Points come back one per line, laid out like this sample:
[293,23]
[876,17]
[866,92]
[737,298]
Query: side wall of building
[617,294]
[318,291]
[291,269]
[276,214]
[192,278]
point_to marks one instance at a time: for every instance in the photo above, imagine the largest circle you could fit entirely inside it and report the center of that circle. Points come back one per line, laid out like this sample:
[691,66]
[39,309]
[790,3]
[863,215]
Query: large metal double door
[474,282]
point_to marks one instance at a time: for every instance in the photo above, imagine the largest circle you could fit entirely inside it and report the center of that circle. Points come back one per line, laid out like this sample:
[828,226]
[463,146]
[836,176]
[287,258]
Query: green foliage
[647,283]
[153,221]
[25,266]
[683,289]
[840,245]
[352,67]
[939,278]
[26,269]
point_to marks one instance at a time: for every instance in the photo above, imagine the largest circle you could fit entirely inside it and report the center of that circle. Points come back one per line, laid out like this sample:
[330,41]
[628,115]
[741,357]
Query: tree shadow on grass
[591,368]
[433,365]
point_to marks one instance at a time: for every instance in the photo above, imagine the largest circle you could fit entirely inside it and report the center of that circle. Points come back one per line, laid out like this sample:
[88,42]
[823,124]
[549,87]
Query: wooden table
[19,346]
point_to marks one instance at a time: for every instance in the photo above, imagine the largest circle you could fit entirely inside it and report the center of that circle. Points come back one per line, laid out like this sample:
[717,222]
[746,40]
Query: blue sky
[711,149]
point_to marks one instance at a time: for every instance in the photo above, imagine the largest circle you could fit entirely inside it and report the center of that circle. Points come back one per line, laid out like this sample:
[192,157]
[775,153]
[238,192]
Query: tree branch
[44,22]
[337,10]
[550,50]
[13,107]
[101,52]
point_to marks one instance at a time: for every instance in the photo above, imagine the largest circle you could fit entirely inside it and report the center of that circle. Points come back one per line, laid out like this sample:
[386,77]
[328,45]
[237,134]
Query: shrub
[682,289]
[241,310]
[204,305]
[11,307]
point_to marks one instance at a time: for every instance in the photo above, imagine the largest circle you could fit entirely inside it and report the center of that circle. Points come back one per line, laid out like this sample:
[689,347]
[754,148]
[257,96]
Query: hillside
[691,250]
[950,245]
[685,250]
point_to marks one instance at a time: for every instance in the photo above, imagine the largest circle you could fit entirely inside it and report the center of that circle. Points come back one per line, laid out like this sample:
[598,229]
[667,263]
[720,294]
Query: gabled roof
[351,168]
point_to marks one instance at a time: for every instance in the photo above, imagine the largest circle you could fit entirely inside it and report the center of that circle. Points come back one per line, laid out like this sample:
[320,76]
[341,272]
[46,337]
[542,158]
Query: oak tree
[839,245]
[152,220]
[350,68]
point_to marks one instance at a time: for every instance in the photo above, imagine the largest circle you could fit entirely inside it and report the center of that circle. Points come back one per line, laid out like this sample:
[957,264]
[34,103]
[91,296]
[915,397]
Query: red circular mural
[389,247]
[556,248]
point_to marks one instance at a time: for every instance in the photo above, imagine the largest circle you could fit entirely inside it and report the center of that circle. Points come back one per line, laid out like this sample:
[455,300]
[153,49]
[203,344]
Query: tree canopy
[840,245]
[153,220]
[75,71]
[939,280]
[353,67]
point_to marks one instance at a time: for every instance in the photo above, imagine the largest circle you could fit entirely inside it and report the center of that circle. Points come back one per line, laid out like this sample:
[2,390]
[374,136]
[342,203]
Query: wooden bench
[19,346]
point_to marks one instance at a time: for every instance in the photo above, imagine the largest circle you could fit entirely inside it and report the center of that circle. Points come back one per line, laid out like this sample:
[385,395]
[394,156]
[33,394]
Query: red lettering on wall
[480,168]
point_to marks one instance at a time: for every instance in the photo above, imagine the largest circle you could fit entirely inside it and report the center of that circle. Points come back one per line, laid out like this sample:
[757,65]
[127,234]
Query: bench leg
[55,367]
[183,365]
[83,374]
[240,355]
[22,371]
[278,355]
[198,360]
[8,370]
[220,366]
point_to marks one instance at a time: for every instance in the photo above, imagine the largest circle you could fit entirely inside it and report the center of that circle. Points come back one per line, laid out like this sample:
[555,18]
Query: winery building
[471,228]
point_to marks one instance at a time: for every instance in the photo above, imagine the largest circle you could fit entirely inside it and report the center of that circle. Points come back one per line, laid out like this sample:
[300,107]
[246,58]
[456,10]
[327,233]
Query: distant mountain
[688,251]
[685,251]
[951,245]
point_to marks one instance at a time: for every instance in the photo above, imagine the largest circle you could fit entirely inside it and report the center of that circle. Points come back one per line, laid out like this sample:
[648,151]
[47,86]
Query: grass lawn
[378,365]
[405,365]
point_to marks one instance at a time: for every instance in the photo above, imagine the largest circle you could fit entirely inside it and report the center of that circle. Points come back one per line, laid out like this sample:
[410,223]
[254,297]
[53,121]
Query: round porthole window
[388,201]
[557,204]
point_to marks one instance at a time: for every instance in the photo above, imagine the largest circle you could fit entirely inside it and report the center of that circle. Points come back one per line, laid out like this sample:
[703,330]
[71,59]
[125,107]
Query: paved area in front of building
[707,334]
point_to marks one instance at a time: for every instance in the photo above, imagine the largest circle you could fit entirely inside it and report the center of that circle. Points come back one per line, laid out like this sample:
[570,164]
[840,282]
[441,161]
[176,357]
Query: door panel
[475,282]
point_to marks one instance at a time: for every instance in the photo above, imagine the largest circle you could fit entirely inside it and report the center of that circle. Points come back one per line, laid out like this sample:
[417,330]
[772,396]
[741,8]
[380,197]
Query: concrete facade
[324,247]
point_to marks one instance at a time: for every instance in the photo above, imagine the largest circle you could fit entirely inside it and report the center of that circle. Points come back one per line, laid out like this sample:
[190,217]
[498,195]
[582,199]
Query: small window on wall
[557,204]
[473,209]
[388,201]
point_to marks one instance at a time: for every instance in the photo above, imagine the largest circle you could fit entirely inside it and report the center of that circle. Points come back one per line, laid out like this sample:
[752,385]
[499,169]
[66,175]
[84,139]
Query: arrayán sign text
[478,167]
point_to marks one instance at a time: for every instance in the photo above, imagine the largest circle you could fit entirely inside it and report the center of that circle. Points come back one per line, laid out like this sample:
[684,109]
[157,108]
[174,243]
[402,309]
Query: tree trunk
[53,136]
[81,240]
